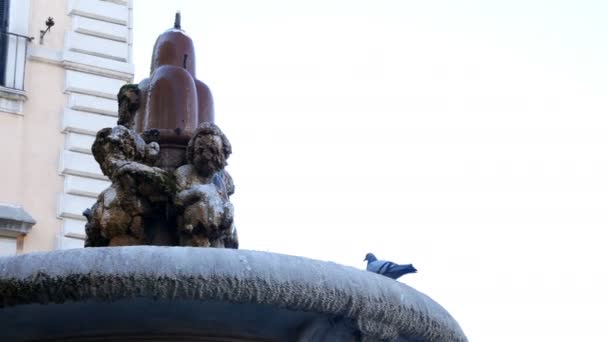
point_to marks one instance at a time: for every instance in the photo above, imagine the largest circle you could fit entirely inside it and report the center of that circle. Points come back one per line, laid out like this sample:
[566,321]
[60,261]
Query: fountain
[145,274]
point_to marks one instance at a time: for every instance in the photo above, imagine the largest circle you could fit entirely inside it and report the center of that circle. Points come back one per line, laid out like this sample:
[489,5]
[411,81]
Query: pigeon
[387,268]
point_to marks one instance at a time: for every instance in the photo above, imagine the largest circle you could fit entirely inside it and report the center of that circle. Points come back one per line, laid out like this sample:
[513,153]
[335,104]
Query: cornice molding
[81,62]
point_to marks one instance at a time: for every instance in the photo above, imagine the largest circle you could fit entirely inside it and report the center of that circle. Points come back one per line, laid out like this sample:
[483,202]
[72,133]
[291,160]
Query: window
[13,44]
[8,246]
[14,17]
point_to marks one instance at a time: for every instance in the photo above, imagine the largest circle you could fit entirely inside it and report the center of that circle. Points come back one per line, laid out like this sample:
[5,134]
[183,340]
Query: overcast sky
[469,138]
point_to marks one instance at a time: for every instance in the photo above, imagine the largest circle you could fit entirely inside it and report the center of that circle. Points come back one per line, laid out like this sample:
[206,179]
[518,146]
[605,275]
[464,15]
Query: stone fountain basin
[150,293]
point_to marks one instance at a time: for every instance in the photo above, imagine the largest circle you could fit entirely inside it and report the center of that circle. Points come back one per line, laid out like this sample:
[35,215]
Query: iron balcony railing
[13,55]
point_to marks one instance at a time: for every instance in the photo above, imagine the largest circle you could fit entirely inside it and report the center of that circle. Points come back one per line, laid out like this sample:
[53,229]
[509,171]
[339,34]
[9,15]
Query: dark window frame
[4,38]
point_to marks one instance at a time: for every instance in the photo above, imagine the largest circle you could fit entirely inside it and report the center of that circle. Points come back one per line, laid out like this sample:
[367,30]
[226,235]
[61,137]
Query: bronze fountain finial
[178,20]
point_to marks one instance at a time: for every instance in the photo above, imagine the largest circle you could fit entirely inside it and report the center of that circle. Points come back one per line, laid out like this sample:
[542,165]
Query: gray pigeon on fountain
[387,268]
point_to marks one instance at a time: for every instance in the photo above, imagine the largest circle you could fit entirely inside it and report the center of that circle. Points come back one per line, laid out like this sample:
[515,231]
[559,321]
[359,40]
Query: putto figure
[116,219]
[206,216]
[191,204]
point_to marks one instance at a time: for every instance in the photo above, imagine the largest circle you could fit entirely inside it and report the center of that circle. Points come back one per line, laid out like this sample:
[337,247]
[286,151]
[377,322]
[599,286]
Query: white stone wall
[97,61]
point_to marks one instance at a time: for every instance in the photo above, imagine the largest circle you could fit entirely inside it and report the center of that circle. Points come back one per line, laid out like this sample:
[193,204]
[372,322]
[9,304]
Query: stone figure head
[129,95]
[116,145]
[208,149]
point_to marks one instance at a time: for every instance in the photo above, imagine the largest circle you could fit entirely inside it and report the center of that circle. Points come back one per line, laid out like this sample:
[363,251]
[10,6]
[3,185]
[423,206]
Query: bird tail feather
[399,270]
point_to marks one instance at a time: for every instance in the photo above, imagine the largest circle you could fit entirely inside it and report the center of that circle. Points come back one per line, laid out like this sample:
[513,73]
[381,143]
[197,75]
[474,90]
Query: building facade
[57,90]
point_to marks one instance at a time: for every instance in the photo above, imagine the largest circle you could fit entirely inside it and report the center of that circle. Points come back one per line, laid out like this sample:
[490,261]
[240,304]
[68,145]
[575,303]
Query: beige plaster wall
[11,128]
[42,140]
[40,10]
[42,143]
[30,176]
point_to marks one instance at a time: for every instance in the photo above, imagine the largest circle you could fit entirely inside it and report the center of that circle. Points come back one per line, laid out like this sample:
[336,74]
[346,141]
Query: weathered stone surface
[147,205]
[206,215]
[137,191]
[128,103]
[204,290]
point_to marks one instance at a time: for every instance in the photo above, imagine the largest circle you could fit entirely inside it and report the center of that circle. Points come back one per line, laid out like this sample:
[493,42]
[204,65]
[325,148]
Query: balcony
[13,53]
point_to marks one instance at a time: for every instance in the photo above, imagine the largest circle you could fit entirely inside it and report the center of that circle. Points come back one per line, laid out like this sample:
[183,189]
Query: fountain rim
[377,306]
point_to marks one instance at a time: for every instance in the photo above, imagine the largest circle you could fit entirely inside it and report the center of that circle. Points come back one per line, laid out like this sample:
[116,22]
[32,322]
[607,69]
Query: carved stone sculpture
[165,159]
[204,187]
[116,219]
[128,104]
[193,199]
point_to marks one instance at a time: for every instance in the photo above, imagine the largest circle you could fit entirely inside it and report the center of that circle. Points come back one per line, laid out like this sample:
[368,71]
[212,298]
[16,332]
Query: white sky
[466,137]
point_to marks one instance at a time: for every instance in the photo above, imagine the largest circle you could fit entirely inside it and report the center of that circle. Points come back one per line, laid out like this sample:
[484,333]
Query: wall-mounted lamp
[49,23]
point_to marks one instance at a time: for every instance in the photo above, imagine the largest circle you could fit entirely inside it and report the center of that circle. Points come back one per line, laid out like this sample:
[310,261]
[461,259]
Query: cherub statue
[206,216]
[116,219]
